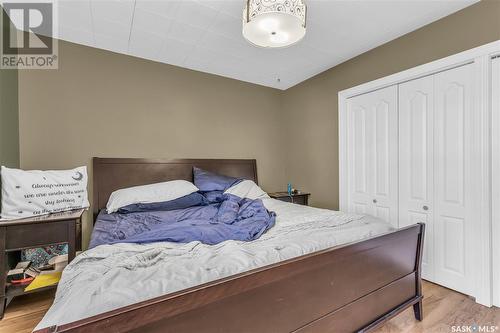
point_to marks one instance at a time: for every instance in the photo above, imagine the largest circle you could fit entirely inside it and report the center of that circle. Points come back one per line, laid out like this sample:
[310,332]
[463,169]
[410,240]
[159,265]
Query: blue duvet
[227,218]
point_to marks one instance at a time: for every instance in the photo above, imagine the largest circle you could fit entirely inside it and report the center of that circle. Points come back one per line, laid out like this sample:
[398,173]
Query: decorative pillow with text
[34,192]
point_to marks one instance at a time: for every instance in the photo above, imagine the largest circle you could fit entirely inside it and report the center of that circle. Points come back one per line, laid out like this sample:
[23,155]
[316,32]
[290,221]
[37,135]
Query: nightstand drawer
[285,199]
[33,235]
[300,199]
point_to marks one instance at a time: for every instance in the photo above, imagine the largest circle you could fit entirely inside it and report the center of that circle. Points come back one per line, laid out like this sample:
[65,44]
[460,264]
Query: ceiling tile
[119,11]
[185,33]
[227,26]
[151,22]
[163,8]
[175,52]
[198,64]
[111,43]
[191,12]
[145,44]
[76,36]
[112,29]
[235,47]
[112,20]
[206,34]
[229,7]
[207,55]
[75,15]
[214,4]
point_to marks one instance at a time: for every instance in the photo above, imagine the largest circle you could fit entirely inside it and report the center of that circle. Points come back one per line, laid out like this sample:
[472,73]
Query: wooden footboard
[354,287]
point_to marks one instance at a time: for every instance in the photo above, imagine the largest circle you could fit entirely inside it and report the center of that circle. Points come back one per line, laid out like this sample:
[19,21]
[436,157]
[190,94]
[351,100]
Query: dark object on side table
[298,198]
[39,231]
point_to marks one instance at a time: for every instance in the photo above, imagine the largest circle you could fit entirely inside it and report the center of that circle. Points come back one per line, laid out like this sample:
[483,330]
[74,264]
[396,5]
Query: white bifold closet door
[416,162]
[456,207]
[372,150]
[436,174]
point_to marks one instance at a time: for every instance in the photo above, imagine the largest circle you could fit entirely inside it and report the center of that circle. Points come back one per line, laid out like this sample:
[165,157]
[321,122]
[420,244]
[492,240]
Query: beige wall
[9,136]
[104,104]
[9,116]
[311,107]
[9,122]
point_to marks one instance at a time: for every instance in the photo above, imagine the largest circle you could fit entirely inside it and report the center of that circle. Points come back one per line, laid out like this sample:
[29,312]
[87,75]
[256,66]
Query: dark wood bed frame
[346,288]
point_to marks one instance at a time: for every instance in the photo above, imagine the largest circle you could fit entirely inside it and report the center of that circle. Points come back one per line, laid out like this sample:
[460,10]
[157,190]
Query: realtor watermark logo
[27,28]
[475,328]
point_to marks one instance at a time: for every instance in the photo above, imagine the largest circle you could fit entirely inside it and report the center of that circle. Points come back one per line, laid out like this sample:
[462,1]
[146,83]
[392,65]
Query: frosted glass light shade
[274,23]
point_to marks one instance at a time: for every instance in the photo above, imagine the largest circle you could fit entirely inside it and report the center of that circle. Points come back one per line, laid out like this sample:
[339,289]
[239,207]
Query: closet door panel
[454,199]
[385,153]
[416,166]
[358,155]
[372,154]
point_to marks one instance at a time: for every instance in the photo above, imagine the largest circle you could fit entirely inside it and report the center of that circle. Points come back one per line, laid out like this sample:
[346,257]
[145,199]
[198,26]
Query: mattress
[112,276]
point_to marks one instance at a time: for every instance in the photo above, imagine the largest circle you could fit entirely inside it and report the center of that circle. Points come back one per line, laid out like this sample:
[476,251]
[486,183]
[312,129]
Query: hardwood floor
[26,311]
[443,308]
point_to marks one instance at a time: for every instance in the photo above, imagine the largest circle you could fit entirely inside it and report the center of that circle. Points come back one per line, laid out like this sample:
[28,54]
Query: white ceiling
[205,35]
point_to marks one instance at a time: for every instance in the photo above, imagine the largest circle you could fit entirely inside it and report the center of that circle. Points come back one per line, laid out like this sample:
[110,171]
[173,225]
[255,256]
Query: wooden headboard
[111,174]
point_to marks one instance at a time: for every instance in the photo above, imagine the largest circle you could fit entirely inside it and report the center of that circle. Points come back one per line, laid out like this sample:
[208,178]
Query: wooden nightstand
[16,235]
[300,198]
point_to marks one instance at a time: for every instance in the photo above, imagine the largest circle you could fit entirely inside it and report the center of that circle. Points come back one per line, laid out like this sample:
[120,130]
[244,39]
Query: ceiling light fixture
[274,23]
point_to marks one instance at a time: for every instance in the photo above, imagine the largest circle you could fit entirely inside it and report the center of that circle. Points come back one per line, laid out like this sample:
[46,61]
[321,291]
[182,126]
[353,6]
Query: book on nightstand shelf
[37,277]
[44,280]
[18,275]
[50,277]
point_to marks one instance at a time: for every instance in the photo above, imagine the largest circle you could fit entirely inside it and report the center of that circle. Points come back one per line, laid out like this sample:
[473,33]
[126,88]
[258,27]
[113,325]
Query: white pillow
[247,189]
[35,192]
[158,192]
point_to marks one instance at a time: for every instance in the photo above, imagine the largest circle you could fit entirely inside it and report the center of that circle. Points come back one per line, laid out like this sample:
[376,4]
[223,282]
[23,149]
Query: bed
[357,278]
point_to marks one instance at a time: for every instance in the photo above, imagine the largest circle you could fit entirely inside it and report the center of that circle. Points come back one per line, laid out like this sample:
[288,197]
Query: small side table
[299,198]
[16,235]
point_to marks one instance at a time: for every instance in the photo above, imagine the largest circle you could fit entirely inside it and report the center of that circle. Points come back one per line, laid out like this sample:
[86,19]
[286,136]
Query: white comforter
[112,276]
